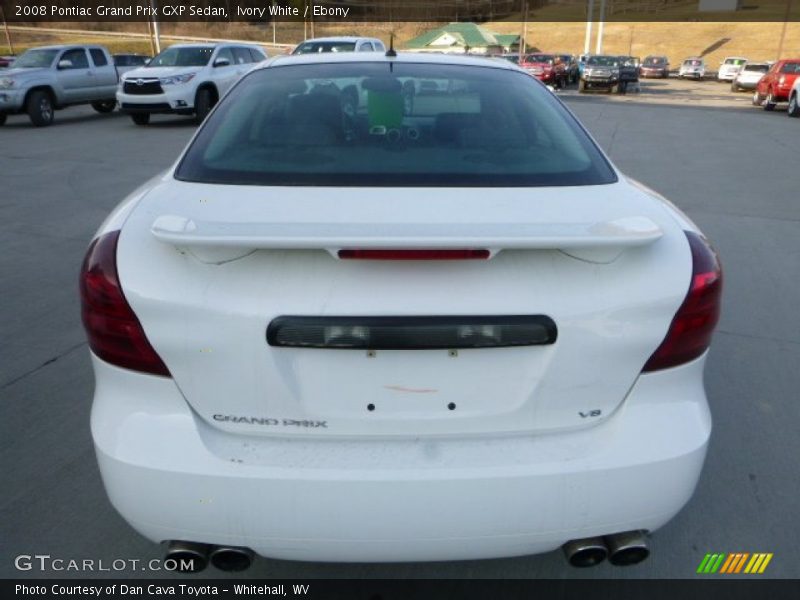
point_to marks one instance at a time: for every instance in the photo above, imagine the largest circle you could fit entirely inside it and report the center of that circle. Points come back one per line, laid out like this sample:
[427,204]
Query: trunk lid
[207,268]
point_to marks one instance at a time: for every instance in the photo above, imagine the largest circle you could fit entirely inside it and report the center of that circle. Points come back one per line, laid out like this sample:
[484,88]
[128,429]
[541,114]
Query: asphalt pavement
[731,167]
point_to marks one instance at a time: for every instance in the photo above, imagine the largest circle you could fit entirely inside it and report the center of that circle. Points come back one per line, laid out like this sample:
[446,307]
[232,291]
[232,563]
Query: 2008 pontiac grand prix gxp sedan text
[398,308]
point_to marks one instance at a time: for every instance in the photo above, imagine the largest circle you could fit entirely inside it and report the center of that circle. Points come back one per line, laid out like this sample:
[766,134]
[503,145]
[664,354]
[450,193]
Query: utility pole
[601,22]
[273,25]
[783,30]
[587,40]
[150,37]
[156,35]
[523,40]
[8,34]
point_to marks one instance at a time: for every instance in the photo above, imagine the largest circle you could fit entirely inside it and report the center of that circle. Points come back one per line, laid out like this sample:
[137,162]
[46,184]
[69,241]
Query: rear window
[759,68]
[734,61]
[380,124]
[791,68]
[540,58]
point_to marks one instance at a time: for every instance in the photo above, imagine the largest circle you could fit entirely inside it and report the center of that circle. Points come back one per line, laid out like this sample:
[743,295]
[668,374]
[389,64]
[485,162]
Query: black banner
[354,11]
[405,589]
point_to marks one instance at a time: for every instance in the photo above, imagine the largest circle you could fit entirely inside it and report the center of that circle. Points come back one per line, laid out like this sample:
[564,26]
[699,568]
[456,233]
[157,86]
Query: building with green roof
[461,38]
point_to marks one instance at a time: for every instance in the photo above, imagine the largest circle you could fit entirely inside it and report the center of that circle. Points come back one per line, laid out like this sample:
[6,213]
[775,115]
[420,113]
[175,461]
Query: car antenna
[390,53]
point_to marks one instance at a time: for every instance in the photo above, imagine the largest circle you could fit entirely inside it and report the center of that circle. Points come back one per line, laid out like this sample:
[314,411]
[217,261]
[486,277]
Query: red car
[775,86]
[547,68]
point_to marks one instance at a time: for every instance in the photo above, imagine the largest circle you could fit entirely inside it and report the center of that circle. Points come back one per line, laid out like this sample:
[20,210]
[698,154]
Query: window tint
[791,68]
[257,56]
[226,53]
[32,59]
[376,124]
[183,57]
[77,57]
[242,56]
[98,57]
[367,47]
[759,68]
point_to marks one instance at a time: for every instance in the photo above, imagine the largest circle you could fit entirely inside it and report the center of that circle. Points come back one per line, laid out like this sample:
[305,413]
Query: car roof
[340,38]
[66,46]
[377,57]
[214,45]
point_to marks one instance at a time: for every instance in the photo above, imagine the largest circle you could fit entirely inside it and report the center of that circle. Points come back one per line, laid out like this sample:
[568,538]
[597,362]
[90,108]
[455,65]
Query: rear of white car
[692,68]
[729,67]
[748,76]
[452,350]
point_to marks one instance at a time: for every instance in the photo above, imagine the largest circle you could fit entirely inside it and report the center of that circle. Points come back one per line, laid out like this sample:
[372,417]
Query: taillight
[115,334]
[690,332]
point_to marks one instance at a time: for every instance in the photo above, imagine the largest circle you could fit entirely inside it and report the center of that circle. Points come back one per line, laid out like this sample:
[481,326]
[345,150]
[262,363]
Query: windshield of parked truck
[183,57]
[33,59]
[789,68]
[603,61]
[315,47]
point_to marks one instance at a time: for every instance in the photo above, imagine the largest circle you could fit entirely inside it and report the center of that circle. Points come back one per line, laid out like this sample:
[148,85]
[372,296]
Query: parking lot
[730,166]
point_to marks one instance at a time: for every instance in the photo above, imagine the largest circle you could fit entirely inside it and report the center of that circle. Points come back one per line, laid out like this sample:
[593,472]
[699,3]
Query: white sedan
[398,309]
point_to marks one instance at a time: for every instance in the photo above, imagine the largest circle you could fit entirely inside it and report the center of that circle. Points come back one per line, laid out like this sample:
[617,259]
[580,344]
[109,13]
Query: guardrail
[145,36]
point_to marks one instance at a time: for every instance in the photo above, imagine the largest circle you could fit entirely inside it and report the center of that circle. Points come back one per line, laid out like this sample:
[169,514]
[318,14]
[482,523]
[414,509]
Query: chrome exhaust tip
[232,558]
[188,557]
[628,548]
[587,552]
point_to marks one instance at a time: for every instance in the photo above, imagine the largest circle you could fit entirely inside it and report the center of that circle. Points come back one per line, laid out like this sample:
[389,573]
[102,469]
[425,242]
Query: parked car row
[780,84]
[185,79]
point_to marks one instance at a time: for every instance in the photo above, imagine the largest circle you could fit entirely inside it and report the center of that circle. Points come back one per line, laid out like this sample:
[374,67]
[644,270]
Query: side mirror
[65,64]
[222,62]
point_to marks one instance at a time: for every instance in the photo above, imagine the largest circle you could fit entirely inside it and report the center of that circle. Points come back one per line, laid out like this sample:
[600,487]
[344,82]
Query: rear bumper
[172,476]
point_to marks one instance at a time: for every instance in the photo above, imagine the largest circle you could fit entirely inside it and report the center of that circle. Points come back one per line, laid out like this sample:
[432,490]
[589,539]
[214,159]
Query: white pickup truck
[45,79]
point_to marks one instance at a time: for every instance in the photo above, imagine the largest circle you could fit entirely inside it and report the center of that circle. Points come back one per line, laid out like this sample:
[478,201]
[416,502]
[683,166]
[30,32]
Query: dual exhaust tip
[621,549]
[193,557]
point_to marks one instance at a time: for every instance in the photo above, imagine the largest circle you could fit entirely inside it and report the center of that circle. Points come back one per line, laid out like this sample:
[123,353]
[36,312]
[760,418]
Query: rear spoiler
[599,242]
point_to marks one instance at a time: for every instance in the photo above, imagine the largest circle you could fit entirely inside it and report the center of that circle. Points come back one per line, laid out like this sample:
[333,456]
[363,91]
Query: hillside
[677,40]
